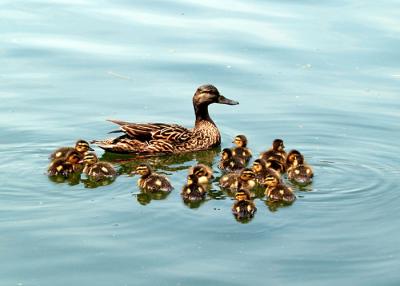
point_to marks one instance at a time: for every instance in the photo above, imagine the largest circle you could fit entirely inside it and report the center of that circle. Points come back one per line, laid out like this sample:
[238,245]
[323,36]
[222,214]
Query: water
[322,76]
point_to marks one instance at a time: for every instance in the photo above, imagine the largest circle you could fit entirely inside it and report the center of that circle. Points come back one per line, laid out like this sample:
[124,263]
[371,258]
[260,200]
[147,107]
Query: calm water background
[323,76]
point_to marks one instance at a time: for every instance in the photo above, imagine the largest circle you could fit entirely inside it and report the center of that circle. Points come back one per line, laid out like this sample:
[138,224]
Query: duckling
[230,163]
[300,172]
[262,172]
[66,165]
[275,165]
[203,173]
[277,152]
[81,146]
[96,170]
[291,157]
[245,179]
[241,151]
[151,181]
[279,192]
[244,207]
[193,190]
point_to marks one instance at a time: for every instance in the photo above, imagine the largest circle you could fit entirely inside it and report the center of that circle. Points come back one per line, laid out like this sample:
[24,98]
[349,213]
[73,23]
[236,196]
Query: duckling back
[280,193]
[101,171]
[155,183]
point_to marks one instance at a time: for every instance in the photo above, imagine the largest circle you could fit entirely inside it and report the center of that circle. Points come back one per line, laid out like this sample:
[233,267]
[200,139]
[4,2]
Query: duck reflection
[144,197]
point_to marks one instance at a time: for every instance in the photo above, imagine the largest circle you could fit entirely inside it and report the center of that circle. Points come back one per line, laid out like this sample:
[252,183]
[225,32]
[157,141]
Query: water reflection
[145,198]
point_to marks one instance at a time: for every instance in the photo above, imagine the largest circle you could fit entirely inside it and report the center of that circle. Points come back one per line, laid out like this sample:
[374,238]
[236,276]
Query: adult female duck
[154,138]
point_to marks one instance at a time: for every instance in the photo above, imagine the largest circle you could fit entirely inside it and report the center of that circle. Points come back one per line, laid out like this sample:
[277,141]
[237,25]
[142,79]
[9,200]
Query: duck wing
[154,131]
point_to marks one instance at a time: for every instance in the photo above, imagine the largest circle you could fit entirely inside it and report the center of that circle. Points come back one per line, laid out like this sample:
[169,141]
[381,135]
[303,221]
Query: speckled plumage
[155,138]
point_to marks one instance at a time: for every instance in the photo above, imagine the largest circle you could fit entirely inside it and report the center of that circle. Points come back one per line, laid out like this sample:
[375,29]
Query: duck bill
[223,100]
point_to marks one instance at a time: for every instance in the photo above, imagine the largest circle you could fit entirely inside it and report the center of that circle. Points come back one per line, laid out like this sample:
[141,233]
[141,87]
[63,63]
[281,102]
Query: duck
[229,163]
[244,207]
[203,173]
[151,181]
[234,181]
[66,165]
[300,172]
[262,173]
[96,170]
[81,146]
[241,151]
[193,190]
[277,191]
[161,138]
[276,152]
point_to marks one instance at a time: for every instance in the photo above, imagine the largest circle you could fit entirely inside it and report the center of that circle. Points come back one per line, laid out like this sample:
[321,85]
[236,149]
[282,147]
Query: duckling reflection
[145,198]
[167,163]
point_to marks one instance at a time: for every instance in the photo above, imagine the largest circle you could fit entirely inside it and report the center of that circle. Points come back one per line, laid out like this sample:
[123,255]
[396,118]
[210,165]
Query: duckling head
[247,174]
[82,146]
[240,141]
[292,155]
[90,159]
[143,170]
[73,157]
[258,166]
[272,179]
[202,170]
[226,154]
[242,195]
[278,145]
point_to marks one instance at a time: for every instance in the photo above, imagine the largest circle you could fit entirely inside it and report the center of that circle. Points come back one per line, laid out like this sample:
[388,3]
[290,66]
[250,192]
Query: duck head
[206,95]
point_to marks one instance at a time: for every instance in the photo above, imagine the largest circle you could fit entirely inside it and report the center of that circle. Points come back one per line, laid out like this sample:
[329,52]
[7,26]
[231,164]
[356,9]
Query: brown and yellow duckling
[244,207]
[193,190]
[241,151]
[299,172]
[290,157]
[203,173]
[230,163]
[276,152]
[66,165]
[97,170]
[81,146]
[276,191]
[151,181]
[245,180]
[262,173]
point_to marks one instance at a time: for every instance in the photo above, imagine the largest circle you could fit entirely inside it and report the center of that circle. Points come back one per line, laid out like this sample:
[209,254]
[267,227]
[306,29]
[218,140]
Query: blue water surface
[322,75]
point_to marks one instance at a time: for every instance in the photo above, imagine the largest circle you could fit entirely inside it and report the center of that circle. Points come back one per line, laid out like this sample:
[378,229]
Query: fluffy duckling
[244,207]
[291,156]
[230,163]
[66,165]
[262,173]
[203,173]
[241,151]
[277,152]
[193,190]
[81,146]
[275,165]
[151,181]
[279,192]
[300,172]
[245,180]
[96,170]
